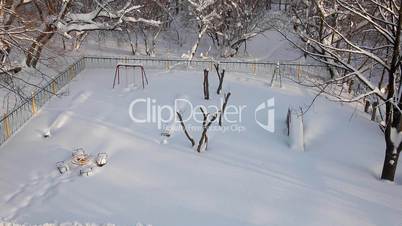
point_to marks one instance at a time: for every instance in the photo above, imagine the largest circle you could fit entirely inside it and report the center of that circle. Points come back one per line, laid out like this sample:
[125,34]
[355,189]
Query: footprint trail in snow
[37,190]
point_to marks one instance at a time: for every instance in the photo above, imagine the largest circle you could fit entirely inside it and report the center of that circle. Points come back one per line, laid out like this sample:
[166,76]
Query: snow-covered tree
[28,26]
[359,40]
[241,20]
[229,23]
[150,33]
[39,21]
[206,15]
[15,32]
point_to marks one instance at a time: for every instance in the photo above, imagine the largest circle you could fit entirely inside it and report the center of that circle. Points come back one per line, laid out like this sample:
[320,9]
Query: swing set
[130,78]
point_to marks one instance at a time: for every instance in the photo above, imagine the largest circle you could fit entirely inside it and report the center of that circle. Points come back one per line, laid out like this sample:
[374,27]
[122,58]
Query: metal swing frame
[144,78]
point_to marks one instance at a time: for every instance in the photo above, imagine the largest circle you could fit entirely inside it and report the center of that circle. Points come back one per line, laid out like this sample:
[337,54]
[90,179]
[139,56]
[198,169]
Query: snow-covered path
[246,178]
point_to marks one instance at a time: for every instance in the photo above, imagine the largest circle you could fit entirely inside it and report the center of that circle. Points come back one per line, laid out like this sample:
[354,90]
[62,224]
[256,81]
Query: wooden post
[53,87]
[34,109]
[374,112]
[167,65]
[298,71]
[254,68]
[288,120]
[276,74]
[6,126]
[351,82]
[366,106]
[206,85]
[70,74]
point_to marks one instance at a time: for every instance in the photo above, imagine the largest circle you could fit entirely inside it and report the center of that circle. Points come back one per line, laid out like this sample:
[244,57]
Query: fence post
[254,68]
[33,105]
[53,87]
[167,65]
[298,71]
[70,77]
[6,127]
[84,62]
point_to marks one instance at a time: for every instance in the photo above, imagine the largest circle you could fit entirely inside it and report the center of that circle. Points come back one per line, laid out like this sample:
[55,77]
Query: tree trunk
[393,115]
[195,47]
[390,164]
[204,136]
[224,107]
[35,50]
[206,85]
[79,40]
[133,46]
[391,153]
[185,130]
[221,76]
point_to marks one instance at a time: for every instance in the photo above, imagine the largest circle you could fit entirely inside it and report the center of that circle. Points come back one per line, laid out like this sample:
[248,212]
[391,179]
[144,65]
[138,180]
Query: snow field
[251,177]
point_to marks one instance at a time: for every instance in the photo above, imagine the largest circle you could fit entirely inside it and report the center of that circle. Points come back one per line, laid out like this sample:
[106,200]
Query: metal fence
[12,121]
[15,119]
[259,69]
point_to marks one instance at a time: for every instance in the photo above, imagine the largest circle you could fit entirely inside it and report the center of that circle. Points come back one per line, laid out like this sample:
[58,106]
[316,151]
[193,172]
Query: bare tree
[242,20]
[221,76]
[185,129]
[206,16]
[15,33]
[229,23]
[207,122]
[133,44]
[208,119]
[150,33]
[225,102]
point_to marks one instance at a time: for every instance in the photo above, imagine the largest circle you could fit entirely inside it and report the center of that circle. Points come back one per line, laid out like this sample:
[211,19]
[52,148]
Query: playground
[247,176]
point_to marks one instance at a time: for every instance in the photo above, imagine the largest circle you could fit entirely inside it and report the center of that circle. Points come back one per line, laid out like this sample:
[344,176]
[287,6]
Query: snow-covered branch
[103,18]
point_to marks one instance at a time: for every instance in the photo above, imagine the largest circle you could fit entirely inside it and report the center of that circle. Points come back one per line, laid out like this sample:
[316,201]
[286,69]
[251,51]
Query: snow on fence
[16,118]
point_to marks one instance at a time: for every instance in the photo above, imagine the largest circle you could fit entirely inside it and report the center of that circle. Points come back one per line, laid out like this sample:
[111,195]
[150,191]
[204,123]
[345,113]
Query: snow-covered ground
[250,177]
